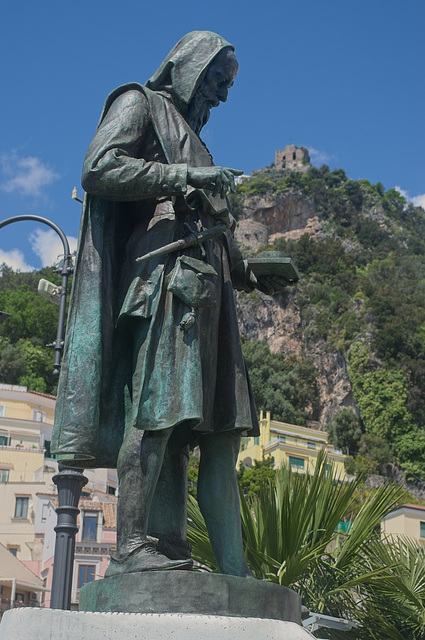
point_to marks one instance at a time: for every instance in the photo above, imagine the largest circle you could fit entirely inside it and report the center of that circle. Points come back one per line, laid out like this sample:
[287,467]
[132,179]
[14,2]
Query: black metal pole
[65,272]
[69,483]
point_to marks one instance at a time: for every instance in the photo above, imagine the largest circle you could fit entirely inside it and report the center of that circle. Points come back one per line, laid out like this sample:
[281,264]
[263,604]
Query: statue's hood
[182,70]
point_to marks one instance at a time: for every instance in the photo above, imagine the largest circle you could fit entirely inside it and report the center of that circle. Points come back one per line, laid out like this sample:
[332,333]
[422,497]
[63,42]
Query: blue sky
[344,78]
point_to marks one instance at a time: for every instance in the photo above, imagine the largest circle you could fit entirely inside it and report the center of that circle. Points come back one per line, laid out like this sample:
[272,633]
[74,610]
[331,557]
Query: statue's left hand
[270,284]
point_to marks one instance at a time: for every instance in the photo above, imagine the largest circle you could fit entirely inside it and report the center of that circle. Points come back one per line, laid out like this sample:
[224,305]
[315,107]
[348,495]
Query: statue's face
[218,79]
[213,89]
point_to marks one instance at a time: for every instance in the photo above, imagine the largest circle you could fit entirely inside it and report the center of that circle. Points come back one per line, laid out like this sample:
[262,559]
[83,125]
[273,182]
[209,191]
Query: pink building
[96,536]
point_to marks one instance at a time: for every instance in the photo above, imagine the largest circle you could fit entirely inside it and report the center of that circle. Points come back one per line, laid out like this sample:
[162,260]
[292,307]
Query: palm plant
[292,537]
[394,607]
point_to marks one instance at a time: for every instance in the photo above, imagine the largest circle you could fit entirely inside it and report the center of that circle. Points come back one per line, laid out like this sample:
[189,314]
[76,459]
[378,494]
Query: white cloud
[402,192]
[418,201]
[15,259]
[26,175]
[318,157]
[48,247]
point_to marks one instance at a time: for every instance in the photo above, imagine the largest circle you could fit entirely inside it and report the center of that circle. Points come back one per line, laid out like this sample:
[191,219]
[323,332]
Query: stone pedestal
[191,592]
[167,605]
[51,624]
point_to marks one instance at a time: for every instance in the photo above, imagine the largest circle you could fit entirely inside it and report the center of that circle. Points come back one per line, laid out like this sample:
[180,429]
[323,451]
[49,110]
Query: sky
[344,78]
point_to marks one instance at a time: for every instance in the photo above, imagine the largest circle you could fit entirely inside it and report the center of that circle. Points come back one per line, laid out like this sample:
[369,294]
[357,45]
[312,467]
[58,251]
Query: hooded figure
[153,359]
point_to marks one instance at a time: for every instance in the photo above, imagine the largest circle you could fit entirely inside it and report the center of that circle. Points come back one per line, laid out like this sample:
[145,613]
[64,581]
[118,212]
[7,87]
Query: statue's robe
[129,360]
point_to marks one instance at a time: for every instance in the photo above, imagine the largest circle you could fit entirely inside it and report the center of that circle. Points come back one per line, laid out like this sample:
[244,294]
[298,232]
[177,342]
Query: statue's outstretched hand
[270,284]
[219,180]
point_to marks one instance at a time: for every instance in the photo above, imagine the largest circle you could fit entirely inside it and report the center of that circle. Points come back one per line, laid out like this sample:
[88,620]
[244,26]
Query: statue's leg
[218,498]
[139,466]
[168,513]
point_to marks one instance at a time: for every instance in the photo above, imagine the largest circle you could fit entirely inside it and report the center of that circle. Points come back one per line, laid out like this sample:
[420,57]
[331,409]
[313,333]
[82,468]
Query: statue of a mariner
[153,362]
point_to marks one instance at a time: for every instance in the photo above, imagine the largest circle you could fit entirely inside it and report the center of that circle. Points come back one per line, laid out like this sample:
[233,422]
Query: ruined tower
[293,158]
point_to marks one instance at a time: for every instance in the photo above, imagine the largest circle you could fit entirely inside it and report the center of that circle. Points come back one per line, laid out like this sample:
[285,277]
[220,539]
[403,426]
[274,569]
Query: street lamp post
[68,481]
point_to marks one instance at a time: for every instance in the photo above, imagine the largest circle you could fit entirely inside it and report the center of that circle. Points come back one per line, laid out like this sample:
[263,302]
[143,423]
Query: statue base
[52,624]
[191,592]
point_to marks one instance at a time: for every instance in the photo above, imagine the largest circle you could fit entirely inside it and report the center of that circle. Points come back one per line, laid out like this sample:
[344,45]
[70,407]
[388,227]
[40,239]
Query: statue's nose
[222,94]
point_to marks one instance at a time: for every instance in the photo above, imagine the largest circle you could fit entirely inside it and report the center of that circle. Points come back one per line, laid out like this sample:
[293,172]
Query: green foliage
[393,607]
[192,474]
[345,431]
[24,358]
[253,481]
[374,454]
[381,394]
[291,537]
[287,388]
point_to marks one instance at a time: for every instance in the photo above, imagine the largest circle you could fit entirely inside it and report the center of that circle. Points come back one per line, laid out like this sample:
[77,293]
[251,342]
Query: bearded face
[214,88]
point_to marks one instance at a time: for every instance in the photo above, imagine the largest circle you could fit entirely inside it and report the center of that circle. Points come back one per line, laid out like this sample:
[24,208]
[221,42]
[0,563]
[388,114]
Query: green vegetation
[253,481]
[24,358]
[362,293]
[286,387]
[292,536]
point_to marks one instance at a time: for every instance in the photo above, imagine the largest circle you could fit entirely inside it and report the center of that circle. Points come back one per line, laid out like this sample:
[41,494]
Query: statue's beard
[198,112]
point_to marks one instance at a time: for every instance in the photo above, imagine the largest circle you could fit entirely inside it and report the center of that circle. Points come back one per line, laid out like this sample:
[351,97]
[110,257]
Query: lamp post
[68,481]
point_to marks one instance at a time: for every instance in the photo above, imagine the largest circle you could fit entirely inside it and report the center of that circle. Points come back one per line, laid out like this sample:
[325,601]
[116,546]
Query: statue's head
[197,72]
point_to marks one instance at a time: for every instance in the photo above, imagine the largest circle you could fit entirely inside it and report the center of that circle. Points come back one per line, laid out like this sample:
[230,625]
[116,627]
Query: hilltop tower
[293,158]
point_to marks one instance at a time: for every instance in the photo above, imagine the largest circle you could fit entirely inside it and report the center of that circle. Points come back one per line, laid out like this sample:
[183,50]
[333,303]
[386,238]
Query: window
[89,526]
[44,512]
[2,410]
[311,445]
[13,550]
[257,440]
[4,475]
[294,155]
[39,416]
[297,463]
[4,441]
[281,438]
[85,574]
[21,508]
[422,529]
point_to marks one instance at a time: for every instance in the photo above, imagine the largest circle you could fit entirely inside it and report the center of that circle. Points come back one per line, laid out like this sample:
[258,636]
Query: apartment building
[289,444]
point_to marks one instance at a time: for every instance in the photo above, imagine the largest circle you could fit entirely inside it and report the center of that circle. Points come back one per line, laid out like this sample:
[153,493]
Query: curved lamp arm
[65,272]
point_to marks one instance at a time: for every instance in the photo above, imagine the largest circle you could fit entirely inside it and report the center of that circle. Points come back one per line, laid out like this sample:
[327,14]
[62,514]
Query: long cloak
[195,378]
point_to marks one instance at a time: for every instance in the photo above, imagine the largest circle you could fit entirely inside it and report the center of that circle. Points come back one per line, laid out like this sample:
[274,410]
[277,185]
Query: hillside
[343,349]
[358,312]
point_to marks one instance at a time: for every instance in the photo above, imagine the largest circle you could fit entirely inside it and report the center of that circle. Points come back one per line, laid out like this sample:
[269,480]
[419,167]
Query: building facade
[28,495]
[407,520]
[289,444]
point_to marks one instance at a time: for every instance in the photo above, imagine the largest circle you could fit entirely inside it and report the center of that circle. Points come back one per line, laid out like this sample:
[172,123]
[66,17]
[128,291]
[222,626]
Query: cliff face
[265,219]
[357,314]
[277,320]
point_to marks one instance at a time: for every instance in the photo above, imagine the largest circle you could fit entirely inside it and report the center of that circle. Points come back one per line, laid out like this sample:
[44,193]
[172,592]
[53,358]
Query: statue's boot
[145,557]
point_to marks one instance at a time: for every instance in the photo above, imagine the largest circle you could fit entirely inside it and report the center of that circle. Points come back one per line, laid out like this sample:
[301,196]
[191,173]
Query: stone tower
[293,158]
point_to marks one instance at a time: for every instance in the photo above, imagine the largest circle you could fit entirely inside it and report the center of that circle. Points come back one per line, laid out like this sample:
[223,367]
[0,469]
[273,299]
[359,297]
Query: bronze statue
[153,361]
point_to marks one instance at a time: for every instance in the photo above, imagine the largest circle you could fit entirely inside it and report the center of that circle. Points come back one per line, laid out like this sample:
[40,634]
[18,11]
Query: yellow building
[407,520]
[289,444]
[26,469]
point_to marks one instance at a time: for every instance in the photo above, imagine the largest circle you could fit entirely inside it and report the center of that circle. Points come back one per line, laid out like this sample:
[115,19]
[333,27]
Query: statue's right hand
[219,180]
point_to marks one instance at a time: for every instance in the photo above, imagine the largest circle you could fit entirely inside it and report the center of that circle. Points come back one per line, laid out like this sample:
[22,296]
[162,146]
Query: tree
[253,481]
[345,431]
[374,454]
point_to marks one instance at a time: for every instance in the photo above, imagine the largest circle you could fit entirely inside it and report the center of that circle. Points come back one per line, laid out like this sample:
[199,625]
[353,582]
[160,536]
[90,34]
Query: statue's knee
[129,454]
